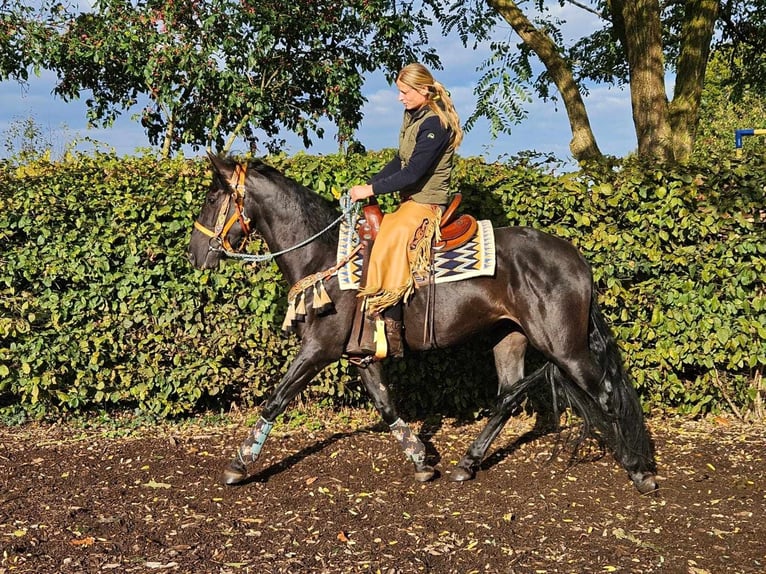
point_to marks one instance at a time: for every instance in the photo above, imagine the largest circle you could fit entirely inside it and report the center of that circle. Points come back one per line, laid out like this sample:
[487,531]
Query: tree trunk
[167,140]
[583,144]
[696,35]
[642,33]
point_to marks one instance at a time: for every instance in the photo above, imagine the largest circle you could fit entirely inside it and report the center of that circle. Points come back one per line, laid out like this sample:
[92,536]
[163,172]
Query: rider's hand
[359,192]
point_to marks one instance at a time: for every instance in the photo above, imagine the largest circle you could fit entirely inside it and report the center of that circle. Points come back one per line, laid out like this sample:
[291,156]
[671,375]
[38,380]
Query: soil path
[342,499]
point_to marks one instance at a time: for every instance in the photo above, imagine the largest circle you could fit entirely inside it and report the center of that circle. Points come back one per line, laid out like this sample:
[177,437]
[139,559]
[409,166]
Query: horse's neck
[307,260]
[283,230]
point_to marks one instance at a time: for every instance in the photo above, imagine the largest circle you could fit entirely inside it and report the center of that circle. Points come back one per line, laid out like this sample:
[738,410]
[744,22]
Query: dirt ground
[342,499]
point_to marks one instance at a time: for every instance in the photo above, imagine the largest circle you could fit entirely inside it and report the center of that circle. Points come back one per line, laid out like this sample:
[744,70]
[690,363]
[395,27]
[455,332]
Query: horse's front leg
[413,447]
[303,369]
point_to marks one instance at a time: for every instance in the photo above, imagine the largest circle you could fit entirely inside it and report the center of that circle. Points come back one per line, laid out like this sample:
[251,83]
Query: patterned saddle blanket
[474,259]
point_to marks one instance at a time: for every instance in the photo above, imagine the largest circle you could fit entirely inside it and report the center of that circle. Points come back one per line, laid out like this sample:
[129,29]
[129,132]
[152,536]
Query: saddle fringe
[321,302]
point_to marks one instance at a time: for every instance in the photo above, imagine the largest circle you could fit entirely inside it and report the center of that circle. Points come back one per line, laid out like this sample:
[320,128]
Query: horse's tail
[621,424]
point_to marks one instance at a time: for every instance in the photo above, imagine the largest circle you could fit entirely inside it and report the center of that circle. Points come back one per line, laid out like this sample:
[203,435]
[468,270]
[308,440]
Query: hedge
[99,308]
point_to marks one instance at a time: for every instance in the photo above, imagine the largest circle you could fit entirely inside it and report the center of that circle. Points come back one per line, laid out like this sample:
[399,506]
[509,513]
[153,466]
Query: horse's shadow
[429,428]
[542,428]
[563,443]
[265,474]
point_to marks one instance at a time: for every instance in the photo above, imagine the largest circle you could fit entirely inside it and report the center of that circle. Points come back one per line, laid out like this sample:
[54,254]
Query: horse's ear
[219,164]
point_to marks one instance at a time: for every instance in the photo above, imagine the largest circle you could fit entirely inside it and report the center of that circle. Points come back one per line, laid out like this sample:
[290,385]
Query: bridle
[219,242]
[218,235]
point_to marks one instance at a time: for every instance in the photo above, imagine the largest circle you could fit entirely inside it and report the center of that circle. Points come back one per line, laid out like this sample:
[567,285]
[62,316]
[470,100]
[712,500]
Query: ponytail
[441,103]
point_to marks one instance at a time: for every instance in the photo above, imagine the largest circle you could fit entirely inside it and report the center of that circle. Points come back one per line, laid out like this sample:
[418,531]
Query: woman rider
[420,171]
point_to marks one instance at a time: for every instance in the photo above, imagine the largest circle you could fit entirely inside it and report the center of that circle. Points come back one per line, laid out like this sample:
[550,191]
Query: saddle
[455,231]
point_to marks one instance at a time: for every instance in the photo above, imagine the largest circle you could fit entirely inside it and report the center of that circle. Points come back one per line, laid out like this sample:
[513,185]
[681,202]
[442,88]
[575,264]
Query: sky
[545,130]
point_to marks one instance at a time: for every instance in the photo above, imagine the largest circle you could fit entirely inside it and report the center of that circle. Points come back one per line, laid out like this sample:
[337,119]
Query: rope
[350,212]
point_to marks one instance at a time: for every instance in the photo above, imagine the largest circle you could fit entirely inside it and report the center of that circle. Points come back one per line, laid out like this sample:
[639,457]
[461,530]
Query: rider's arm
[388,170]
[432,140]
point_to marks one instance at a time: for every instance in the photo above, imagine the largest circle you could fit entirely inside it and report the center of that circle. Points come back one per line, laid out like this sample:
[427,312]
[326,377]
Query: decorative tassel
[287,324]
[296,297]
[300,307]
[322,301]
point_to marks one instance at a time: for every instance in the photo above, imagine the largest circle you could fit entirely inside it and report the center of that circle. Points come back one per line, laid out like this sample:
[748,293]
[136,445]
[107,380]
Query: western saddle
[455,230]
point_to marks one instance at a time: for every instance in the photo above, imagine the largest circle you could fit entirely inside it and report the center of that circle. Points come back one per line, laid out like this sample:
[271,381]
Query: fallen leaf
[160,565]
[153,484]
[87,541]
[342,536]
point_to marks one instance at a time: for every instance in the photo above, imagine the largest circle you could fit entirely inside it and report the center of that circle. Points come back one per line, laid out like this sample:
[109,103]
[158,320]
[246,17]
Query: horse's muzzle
[206,260]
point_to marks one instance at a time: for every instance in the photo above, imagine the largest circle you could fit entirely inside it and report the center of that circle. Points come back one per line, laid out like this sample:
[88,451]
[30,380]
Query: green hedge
[100,309]
[679,257]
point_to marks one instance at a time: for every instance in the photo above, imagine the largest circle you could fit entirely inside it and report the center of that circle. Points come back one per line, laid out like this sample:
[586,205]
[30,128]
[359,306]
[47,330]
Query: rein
[350,212]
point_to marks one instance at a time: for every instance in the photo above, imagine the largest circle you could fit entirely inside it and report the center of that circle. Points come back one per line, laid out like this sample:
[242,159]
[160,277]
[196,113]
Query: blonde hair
[418,77]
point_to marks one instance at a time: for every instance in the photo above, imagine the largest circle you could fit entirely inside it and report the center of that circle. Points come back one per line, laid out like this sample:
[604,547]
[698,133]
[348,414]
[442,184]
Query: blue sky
[546,129]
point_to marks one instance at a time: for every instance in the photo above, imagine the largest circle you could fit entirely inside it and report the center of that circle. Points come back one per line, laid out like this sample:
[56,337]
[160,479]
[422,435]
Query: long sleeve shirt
[431,141]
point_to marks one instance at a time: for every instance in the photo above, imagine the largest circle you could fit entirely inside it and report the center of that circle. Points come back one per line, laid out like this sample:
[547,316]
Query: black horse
[542,293]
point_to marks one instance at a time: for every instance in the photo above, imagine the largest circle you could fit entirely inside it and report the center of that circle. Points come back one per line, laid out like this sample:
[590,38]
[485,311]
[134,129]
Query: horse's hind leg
[373,381]
[509,361]
[612,405]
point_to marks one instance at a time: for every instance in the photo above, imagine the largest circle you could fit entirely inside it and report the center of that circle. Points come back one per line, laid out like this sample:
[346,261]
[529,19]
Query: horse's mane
[311,209]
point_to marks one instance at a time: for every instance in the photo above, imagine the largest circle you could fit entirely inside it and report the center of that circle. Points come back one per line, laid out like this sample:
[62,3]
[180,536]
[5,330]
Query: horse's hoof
[234,473]
[460,474]
[425,473]
[645,482]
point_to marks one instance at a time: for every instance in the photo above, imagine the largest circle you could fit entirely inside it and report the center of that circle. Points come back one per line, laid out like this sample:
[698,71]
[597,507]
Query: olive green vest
[434,187]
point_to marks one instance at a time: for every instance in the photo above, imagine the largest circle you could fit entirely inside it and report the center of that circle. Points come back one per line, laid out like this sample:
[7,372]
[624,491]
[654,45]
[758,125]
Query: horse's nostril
[191,258]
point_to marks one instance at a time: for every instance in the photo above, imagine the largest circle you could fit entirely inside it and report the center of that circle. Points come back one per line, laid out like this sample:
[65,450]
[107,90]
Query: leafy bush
[100,309]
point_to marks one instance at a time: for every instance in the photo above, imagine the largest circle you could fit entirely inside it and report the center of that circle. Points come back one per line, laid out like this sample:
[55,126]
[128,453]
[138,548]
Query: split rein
[220,244]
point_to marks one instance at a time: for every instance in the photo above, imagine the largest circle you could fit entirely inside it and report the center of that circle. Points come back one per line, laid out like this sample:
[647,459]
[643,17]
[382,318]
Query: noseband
[218,235]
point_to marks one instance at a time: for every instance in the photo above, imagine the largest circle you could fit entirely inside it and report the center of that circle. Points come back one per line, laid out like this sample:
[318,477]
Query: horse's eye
[213,196]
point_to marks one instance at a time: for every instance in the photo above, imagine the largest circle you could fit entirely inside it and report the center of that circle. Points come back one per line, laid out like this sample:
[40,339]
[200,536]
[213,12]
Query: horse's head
[222,224]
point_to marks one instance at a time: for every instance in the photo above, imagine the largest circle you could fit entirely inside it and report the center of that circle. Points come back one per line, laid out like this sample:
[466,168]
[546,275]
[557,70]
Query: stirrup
[381,342]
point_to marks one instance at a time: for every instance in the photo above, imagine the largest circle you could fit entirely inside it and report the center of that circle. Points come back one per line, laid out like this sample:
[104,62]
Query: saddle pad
[475,258]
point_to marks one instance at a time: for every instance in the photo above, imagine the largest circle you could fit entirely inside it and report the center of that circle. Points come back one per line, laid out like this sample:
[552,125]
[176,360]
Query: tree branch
[587,8]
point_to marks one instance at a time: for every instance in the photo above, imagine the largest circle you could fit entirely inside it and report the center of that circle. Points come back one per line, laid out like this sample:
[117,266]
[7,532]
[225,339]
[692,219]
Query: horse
[541,294]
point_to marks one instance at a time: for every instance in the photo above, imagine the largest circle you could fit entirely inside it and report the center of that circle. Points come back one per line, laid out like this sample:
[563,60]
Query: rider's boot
[375,338]
[394,326]
[361,343]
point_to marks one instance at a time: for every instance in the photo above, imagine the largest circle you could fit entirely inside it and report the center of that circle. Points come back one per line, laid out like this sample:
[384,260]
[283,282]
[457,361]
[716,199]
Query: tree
[214,70]
[639,42]
[23,29]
